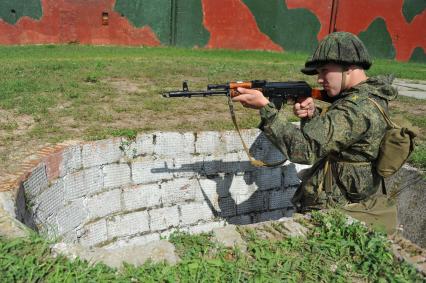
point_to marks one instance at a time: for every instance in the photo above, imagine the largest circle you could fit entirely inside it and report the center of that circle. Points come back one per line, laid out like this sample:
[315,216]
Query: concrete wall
[391,29]
[411,203]
[117,192]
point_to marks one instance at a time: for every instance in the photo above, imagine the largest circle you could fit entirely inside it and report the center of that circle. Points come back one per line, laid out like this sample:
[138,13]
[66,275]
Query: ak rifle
[277,92]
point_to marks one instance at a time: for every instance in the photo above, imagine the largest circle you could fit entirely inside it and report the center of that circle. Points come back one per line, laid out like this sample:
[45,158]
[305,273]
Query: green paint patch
[189,30]
[147,13]
[412,8]
[12,11]
[378,40]
[418,55]
[176,23]
[282,25]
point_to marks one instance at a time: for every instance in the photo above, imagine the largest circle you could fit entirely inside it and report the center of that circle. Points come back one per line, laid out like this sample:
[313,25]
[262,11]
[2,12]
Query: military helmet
[342,48]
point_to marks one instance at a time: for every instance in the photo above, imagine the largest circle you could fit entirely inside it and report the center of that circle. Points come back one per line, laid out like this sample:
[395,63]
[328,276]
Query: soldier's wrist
[268,111]
[267,114]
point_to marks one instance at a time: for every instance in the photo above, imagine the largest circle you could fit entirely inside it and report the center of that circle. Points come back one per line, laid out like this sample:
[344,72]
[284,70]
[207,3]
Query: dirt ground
[16,143]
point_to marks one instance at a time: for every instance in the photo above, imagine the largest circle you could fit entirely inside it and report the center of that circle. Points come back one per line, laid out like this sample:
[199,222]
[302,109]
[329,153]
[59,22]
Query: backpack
[395,148]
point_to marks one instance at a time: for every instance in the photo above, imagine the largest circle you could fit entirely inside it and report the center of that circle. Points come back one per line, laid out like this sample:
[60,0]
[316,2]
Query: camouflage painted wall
[390,28]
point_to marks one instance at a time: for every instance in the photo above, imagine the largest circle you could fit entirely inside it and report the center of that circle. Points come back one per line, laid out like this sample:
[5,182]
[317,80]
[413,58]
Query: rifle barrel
[195,93]
[273,90]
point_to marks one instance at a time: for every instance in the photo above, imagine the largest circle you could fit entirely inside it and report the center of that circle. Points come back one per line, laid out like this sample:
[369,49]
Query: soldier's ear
[349,69]
[354,67]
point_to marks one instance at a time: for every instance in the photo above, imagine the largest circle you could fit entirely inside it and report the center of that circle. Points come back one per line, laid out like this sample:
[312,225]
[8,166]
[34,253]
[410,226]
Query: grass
[55,93]
[410,112]
[334,251]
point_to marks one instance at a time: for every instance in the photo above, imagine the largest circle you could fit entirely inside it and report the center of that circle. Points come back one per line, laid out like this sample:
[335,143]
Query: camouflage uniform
[342,143]
[347,137]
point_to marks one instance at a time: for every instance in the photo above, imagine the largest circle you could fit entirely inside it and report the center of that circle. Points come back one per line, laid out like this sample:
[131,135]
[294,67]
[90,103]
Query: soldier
[341,142]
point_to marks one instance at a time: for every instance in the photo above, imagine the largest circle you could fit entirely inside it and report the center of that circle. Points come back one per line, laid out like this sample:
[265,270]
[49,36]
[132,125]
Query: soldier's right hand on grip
[304,108]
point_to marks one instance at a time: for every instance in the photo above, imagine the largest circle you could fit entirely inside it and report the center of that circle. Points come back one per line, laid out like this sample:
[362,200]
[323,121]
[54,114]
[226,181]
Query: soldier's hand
[304,108]
[251,98]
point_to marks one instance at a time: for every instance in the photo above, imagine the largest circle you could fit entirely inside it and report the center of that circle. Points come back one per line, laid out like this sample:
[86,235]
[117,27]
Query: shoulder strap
[388,120]
[253,161]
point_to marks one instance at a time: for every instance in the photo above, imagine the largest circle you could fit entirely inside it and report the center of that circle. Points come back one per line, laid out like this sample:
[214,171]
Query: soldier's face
[330,77]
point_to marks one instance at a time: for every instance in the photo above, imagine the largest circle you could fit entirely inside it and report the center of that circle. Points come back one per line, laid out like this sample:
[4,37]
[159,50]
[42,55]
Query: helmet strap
[343,83]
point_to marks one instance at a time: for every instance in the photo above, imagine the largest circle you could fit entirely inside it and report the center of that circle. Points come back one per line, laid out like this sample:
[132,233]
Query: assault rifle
[277,92]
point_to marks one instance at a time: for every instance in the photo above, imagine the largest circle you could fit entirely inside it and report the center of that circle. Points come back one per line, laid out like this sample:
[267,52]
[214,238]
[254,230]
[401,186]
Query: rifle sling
[253,161]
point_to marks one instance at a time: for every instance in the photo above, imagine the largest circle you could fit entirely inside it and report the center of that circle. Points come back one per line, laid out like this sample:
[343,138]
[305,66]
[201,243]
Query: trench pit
[118,193]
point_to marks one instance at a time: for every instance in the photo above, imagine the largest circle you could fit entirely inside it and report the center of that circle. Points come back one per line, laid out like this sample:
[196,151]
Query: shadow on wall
[239,192]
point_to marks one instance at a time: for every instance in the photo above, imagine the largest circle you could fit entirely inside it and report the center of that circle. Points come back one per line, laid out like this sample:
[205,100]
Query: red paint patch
[232,25]
[66,21]
[356,16]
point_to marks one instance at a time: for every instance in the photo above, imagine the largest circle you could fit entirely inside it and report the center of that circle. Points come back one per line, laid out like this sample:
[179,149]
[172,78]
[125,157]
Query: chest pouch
[395,148]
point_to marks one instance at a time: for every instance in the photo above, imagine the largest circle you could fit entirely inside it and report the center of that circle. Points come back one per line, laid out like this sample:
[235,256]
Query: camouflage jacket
[346,137]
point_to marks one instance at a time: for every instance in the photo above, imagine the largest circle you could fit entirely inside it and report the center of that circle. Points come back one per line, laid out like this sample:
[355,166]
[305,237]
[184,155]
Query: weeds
[418,158]
[334,251]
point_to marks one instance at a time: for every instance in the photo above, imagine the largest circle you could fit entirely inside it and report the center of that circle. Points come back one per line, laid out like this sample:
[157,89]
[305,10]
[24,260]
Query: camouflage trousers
[317,190]
[376,209]
[334,183]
